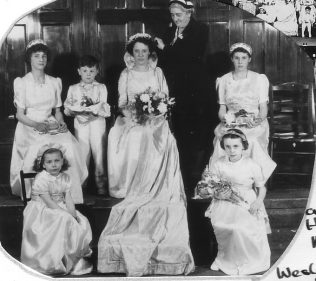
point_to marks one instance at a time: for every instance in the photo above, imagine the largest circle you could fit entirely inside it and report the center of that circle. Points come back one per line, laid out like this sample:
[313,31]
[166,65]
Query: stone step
[285,218]
[285,209]
[280,238]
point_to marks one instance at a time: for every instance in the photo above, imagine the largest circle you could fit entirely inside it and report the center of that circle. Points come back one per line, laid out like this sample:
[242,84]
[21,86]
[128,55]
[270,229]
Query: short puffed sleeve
[41,184]
[263,88]
[256,173]
[69,100]
[66,182]
[19,93]
[58,88]
[220,88]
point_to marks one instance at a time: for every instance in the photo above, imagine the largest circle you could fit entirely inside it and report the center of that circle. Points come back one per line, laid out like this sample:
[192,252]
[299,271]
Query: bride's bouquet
[149,104]
[212,186]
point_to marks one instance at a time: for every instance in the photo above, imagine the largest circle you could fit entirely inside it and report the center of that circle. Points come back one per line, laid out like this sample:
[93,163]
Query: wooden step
[285,210]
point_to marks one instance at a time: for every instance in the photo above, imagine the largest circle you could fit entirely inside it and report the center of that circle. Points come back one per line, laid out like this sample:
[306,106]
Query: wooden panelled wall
[101,27]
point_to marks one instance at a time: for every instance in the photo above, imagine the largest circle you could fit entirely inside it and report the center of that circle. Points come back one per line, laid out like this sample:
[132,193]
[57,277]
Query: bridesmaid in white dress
[247,90]
[241,233]
[146,233]
[56,238]
[36,97]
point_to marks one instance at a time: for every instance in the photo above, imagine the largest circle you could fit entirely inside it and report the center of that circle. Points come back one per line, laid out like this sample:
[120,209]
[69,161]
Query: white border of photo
[298,259]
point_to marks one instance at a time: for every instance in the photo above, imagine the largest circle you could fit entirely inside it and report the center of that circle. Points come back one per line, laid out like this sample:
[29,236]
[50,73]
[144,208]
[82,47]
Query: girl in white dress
[55,237]
[243,89]
[241,233]
[38,101]
[146,233]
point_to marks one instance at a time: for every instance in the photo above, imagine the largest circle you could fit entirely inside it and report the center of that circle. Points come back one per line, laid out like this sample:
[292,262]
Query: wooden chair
[292,128]
[24,176]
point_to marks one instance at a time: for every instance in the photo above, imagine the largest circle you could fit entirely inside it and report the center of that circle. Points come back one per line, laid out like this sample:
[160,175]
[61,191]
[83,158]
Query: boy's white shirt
[96,91]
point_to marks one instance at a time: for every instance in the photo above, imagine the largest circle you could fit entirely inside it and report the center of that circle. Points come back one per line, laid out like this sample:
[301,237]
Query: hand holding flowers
[212,186]
[149,104]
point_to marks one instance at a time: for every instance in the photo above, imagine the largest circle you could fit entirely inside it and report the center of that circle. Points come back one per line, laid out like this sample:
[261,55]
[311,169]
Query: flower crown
[138,35]
[45,147]
[233,132]
[241,45]
[35,42]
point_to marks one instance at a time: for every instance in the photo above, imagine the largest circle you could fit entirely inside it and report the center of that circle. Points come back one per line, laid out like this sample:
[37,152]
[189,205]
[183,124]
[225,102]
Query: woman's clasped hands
[42,127]
[45,127]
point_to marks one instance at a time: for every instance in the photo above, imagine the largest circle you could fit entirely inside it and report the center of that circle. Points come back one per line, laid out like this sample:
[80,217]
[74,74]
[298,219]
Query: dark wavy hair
[235,134]
[36,48]
[149,42]
[89,61]
[39,162]
[241,50]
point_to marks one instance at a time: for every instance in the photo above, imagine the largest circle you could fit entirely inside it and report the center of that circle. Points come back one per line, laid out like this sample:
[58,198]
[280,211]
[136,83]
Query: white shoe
[214,267]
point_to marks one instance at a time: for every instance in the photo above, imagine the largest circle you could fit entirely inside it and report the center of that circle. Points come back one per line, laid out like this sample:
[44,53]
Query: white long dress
[38,101]
[286,19]
[53,241]
[243,246]
[146,233]
[245,94]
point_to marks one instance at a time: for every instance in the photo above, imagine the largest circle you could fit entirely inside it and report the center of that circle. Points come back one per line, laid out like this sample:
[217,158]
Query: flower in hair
[45,147]
[241,45]
[138,35]
[35,42]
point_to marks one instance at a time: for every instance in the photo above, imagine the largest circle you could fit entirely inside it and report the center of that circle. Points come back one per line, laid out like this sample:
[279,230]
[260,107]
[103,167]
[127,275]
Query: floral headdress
[138,35]
[236,133]
[35,42]
[43,149]
[241,45]
[129,60]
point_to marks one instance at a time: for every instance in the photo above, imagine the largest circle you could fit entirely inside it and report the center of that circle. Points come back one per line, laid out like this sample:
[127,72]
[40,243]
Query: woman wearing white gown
[240,229]
[37,97]
[243,89]
[146,233]
[286,18]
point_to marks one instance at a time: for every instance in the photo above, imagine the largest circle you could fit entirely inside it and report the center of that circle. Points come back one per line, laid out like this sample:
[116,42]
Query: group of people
[287,16]
[146,233]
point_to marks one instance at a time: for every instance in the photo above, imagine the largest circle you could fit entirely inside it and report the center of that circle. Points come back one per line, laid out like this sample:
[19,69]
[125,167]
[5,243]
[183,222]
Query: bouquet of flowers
[97,108]
[212,186]
[240,118]
[87,105]
[149,103]
[86,101]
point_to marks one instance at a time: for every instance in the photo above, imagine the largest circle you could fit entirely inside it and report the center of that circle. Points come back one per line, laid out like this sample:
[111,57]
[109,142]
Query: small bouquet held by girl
[148,104]
[215,187]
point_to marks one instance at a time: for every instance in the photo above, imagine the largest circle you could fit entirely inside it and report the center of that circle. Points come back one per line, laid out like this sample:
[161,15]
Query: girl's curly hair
[34,49]
[39,162]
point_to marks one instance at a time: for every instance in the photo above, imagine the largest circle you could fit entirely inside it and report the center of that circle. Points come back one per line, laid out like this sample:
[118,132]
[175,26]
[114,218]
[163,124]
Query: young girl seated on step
[239,220]
[55,237]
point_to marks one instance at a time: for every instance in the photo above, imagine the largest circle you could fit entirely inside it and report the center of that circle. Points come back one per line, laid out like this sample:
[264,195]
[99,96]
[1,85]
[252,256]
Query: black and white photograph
[157,140]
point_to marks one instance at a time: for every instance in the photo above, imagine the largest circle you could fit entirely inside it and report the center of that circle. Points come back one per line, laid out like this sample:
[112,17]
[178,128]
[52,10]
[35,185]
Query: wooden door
[101,28]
